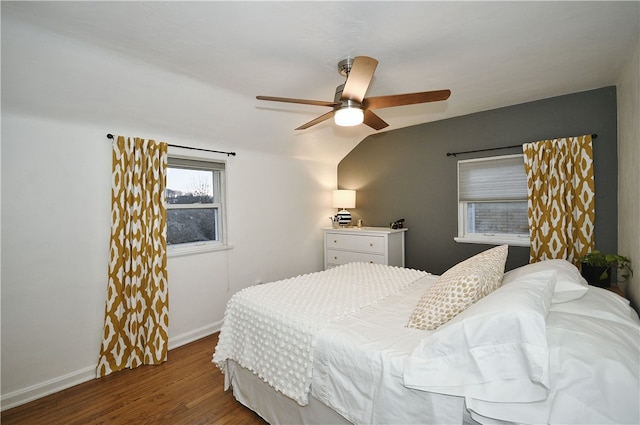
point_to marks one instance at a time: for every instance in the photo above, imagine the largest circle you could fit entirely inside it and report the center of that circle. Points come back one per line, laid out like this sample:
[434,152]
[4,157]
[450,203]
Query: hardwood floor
[187,389]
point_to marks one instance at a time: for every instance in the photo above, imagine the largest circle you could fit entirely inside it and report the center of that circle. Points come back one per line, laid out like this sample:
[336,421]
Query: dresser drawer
[335,257]
[361,243]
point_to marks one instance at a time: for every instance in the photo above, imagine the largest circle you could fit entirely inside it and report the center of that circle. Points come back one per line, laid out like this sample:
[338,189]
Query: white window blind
[492,179]
[195,164]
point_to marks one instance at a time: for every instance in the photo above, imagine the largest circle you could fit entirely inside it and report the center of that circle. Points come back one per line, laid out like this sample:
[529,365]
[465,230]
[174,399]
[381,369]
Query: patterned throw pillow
[459,287]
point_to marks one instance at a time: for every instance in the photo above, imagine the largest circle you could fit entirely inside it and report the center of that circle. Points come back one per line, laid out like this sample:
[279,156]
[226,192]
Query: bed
[349,345]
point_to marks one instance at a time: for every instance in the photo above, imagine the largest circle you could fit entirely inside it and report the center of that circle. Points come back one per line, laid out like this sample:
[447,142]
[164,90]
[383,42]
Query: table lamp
[343,199]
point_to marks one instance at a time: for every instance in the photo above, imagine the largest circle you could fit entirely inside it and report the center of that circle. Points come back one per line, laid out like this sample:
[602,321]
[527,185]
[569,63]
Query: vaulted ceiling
[194,68]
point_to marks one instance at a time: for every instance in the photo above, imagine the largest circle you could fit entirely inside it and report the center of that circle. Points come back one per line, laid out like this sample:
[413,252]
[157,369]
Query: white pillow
[496,350]
[570,285]
[459,287]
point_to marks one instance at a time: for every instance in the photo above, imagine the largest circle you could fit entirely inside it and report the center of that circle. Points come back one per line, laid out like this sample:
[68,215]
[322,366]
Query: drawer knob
[371,244]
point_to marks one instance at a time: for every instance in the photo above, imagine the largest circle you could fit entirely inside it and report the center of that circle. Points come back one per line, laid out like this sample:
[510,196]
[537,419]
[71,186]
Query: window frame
[515,239]
[175,250]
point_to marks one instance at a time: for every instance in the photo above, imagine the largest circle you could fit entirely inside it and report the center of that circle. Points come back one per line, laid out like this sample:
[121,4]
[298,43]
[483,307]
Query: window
[492,201]
[195,205]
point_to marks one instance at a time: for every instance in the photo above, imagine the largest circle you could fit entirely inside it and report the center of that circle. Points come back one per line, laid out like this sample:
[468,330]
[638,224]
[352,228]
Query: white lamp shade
[348,117]
[344,199]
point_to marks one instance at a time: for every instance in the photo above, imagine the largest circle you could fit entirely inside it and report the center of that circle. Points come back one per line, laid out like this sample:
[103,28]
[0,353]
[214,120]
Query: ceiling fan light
[348,117]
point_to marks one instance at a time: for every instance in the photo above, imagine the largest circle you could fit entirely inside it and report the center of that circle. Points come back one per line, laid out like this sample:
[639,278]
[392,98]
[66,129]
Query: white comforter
[359,363]
[594,345]
[270,329]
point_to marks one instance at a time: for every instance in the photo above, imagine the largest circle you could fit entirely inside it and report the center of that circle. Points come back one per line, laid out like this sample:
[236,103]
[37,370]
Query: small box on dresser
[380,245]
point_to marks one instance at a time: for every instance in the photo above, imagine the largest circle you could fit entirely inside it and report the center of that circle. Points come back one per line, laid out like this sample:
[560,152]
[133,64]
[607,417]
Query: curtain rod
[593,136]
[110,136]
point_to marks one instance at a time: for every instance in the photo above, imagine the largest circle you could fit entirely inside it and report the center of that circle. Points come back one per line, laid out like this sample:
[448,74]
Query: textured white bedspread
[259,321]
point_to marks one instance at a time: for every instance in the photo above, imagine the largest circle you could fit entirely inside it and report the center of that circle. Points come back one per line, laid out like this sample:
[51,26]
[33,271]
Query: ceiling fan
[350,106]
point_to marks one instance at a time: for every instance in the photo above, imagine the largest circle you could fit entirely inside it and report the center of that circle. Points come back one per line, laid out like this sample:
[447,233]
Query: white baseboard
[43,389]
[194,335]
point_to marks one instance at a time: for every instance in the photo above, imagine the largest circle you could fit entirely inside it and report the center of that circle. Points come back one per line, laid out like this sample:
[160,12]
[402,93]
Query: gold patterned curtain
[137,307]
[561,196]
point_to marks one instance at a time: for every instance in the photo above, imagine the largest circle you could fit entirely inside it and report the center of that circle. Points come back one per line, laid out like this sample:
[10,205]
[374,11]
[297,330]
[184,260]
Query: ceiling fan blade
[374,121]
[405,99]
[359,78]
[318,120]
[302,101]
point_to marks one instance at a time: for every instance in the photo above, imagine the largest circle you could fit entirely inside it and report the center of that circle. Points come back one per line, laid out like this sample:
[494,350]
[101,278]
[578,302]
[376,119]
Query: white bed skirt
[274,407]
[278,409]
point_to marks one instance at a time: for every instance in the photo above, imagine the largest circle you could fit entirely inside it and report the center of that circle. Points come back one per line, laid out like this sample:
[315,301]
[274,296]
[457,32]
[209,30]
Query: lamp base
[344,217]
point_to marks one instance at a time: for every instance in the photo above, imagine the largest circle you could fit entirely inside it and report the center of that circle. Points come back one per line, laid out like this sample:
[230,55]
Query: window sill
[191,249]
[494,240]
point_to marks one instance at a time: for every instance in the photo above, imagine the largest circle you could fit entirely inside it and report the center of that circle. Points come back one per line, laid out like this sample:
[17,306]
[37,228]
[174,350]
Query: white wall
[629,169]
[54,247]
[56,170]
[55,230]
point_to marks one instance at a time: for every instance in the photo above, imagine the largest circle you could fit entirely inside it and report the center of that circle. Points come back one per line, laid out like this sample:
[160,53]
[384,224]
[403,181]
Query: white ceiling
[490,54]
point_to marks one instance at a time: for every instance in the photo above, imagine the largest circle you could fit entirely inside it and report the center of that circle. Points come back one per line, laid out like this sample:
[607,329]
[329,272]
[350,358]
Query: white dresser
[379,245]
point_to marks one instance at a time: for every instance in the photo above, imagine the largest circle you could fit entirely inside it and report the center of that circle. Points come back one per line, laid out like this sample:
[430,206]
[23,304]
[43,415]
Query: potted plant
[596,268]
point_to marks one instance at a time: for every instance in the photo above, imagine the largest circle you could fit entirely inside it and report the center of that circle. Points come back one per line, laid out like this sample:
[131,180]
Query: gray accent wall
[406,173]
